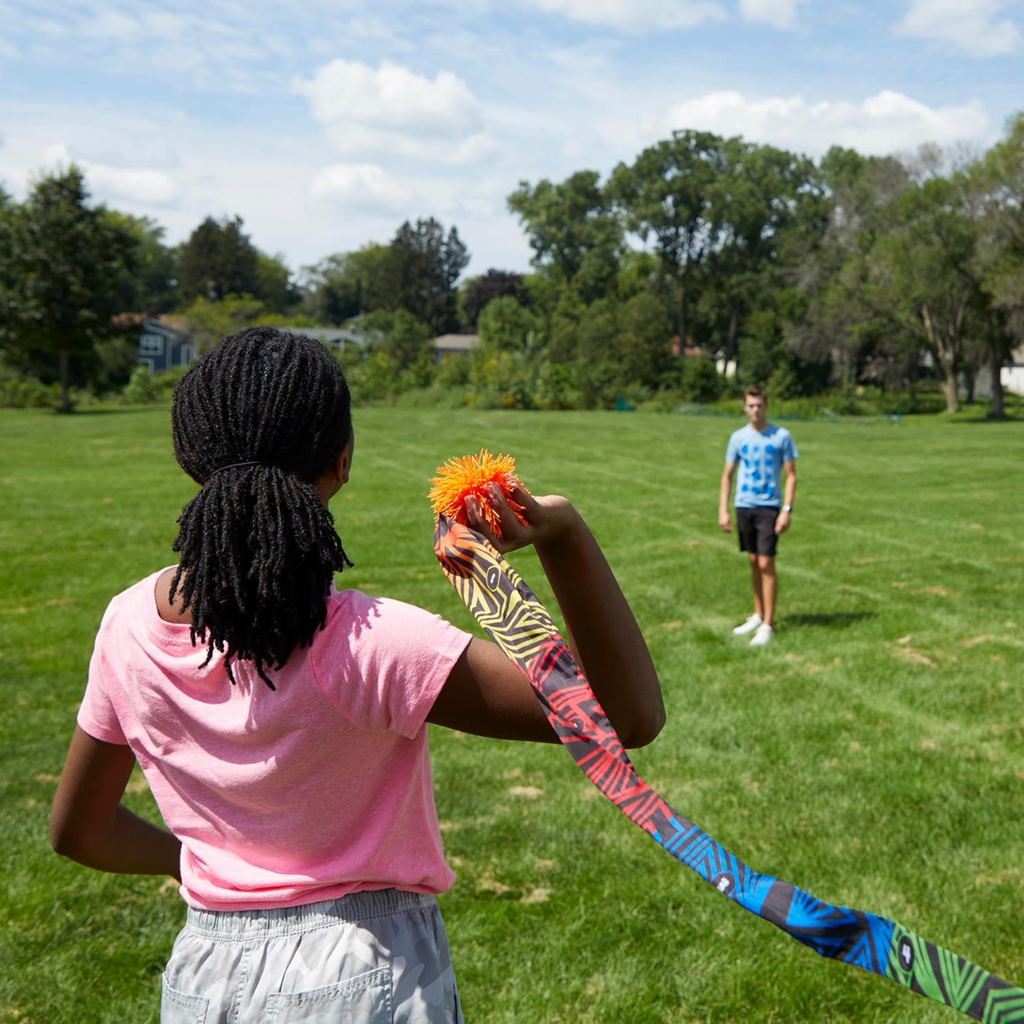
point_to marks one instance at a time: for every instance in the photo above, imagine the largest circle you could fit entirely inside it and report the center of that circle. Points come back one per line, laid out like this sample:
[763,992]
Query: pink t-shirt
[309,792]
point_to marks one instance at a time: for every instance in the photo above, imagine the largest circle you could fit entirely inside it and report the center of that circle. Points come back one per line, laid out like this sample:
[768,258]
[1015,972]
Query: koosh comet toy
[518,623]
[459,479]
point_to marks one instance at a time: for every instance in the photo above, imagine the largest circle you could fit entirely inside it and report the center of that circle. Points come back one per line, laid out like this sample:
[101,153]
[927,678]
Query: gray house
[448,345]
[162,347]
[338,338]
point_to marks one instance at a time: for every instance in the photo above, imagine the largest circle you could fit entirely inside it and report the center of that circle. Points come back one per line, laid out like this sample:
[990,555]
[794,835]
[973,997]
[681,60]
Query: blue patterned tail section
[517,622]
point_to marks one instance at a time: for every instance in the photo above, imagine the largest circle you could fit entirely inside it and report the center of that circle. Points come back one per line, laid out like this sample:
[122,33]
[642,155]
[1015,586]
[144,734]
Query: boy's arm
[724,489]
[488,695]
[789,493]
[88,823]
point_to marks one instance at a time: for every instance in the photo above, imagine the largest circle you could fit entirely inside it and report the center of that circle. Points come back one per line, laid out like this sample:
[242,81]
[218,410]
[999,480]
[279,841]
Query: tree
[767,202]
[273,286]
[699,381]
[398,334]
[346,285]
[477,292]
[506,326]
[643,343]
[209,322]
[669,193]
[217,260]
[841,307]
[8,278]
[1000,177]
[152,279]
[420,270]
[929,266]
[573,230]
[64,273]
[598,375]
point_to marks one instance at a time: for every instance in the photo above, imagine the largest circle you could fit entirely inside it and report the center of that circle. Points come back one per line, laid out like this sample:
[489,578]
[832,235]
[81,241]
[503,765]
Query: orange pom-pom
[469,475]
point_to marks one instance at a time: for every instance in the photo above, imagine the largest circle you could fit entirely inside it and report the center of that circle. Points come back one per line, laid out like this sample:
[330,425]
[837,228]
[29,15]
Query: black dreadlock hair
[255,422]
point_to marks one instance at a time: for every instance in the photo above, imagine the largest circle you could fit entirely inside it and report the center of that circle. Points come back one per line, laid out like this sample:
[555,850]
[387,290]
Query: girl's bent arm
[484,697]
[88,823]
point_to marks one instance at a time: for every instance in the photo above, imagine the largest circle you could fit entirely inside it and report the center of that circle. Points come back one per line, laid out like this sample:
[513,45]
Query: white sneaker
[749,626]
[763,635]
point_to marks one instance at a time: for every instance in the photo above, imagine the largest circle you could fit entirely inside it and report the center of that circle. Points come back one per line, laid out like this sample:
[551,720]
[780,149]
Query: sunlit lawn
[872,754]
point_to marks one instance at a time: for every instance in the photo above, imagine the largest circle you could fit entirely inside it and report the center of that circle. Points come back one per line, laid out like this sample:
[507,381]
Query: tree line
[800,274]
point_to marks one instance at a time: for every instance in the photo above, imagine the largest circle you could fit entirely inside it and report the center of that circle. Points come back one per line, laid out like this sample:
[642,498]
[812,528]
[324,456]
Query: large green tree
[843,309]
[347,284]
[573,230]
[64,270]
[152,278]
[669,193]
[769,208]
[217,260]
[420,272]
[928,265]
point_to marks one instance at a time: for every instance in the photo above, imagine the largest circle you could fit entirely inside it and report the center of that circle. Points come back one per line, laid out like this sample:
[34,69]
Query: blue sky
[326,124]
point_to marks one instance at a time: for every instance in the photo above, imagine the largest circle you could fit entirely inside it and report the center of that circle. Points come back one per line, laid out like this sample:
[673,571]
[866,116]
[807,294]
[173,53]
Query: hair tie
[232,465]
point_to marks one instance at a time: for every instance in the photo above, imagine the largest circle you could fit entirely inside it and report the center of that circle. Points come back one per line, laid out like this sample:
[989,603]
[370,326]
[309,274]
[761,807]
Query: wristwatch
[787,508]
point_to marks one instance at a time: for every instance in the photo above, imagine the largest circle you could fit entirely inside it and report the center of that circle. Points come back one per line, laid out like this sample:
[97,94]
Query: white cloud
[588,68]
[360,185]
[143,186]
[396,111]
[635,15]
[108,23]
[146,187]
[778,13]
[968,25]
[886,123]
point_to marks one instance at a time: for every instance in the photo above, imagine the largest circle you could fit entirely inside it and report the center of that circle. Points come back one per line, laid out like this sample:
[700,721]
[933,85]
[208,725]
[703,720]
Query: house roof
[457,342]
[332,335]
[158,325]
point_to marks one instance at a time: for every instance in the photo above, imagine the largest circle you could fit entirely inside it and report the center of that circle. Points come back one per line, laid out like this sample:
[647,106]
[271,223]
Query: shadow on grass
[839,620]
[100,411]
[989,419]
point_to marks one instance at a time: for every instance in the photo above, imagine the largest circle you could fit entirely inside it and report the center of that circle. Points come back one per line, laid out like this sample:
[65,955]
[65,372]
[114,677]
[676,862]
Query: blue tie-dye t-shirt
[760,455]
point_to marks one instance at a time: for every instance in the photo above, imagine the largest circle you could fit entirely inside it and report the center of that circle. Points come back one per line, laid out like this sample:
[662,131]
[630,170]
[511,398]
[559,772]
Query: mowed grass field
[872,753]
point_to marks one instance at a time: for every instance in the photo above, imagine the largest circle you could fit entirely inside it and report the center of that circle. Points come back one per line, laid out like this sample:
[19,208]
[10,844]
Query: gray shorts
[368,958]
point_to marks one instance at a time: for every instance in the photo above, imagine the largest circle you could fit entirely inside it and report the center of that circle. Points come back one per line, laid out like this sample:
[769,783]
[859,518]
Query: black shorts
[756,530]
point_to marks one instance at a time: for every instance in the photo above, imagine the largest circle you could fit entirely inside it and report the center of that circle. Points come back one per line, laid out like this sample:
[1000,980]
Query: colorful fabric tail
[518,623]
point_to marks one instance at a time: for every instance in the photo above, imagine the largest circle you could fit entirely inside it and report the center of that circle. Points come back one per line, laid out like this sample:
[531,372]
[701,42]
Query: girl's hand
[551,518]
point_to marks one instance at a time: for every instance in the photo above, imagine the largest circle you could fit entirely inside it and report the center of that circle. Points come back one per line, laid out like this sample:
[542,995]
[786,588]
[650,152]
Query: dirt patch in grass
[536,896]
[916,657]
[526,792]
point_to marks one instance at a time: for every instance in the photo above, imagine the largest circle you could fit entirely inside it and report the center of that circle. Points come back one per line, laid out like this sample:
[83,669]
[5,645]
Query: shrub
[784,383]
[142,388]
[700,381]
[454,371]
[167,379]
[663,400]
[28,393]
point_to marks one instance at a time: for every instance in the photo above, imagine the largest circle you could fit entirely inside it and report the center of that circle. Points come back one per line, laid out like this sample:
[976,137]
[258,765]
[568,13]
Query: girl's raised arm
[486,694]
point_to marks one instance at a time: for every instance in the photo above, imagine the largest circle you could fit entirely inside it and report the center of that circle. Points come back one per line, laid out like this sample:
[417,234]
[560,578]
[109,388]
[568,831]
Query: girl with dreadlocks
[280,723]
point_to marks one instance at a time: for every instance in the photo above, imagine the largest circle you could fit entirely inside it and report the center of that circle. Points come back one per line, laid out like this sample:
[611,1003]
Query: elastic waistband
[355,907]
